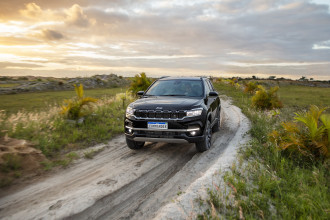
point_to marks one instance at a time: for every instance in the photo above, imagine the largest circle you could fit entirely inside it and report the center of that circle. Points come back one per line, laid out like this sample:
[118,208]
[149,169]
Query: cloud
[76,16]
[107,17]
[52,35]
[18,41]
[18,65]
[201,35]
[32,10]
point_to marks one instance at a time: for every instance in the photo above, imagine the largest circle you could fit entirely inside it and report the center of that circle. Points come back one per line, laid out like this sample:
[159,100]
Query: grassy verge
[42,100]
[55,136]
[264,183]
[58,138]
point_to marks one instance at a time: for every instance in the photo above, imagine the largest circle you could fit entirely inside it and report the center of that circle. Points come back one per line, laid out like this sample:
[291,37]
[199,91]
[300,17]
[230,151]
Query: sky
[223,38]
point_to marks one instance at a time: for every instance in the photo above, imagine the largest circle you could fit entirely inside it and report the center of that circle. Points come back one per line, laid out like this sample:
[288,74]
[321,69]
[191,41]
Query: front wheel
[134,145]
[216,127]
[205,144]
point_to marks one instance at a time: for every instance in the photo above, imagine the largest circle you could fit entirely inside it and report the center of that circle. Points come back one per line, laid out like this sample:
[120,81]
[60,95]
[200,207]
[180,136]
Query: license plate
[157,125]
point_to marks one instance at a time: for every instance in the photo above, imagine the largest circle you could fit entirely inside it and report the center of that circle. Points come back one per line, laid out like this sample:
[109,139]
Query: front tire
[134,145]
[205,144]
[216,127]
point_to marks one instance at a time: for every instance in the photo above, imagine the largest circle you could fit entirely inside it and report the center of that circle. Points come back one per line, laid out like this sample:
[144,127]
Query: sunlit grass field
[41,100]
[303,96]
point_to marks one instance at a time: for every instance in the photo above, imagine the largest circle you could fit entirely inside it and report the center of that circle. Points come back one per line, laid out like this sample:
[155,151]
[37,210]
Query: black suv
[174,110]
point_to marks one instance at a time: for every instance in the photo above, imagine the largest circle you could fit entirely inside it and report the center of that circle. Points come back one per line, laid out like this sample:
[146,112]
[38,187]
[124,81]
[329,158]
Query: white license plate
[157,125]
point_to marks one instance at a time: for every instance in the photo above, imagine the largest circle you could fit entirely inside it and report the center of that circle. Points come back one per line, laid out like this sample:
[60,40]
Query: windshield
[179,87]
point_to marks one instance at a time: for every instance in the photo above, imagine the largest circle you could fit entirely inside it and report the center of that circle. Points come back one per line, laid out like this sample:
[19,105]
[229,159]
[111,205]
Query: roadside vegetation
[69,122]
[283,173]
[50,131]
[60,131]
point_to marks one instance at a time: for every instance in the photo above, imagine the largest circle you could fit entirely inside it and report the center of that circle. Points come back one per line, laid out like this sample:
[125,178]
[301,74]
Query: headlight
[129,112]
[194,112]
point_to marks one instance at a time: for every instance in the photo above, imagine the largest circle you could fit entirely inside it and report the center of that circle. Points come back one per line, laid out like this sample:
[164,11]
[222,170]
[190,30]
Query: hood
[166,103]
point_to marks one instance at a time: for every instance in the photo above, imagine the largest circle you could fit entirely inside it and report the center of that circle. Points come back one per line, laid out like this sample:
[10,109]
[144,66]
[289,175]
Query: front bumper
[179,131]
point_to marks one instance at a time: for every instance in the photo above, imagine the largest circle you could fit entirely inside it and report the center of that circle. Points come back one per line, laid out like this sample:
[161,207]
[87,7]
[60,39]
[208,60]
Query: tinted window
[207,87]
[210,85]
[179,87]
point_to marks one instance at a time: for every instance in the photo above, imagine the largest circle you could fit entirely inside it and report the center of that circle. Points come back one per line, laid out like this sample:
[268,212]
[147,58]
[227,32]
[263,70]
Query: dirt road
[120,183]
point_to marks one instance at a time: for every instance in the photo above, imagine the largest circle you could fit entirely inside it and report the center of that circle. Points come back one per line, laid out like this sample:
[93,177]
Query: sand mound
[18,158]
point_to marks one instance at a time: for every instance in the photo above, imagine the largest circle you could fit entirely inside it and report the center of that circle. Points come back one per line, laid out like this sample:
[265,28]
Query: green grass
[53,135]
[39,101]
[264,183]
[303,96]
[9,85]
[58,138]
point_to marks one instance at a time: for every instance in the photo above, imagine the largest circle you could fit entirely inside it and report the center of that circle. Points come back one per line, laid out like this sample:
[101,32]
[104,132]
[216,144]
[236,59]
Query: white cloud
[322,45]
[32,10]
[76,16]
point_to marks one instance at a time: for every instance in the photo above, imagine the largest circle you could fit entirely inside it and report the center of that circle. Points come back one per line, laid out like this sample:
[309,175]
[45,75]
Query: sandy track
[123,184]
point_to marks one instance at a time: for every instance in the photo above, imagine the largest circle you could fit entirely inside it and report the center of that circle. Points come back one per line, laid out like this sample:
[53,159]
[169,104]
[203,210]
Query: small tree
[76,107]
[140,83]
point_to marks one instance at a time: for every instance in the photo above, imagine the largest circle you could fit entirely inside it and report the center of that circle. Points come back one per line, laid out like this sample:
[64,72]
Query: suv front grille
[160,114]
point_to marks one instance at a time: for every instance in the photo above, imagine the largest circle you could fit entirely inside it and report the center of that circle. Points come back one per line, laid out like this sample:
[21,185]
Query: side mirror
[140,93]
[213,93]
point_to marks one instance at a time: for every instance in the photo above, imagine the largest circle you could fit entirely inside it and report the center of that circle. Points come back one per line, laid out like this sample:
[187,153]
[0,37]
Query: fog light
[130,130]
[193,133]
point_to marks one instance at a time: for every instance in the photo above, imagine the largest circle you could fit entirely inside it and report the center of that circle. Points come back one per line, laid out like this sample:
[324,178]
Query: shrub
[266,99]
[250,87]
[140,83]
[309,134]
[233,82]
[76,107]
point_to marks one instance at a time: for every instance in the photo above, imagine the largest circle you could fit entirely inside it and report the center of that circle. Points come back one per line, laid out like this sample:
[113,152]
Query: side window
[207,87]
[210,85]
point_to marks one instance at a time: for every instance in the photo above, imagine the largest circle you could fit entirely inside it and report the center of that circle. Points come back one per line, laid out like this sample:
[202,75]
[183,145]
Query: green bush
[266,99]
[250,87]
[75,108]
[140,83]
